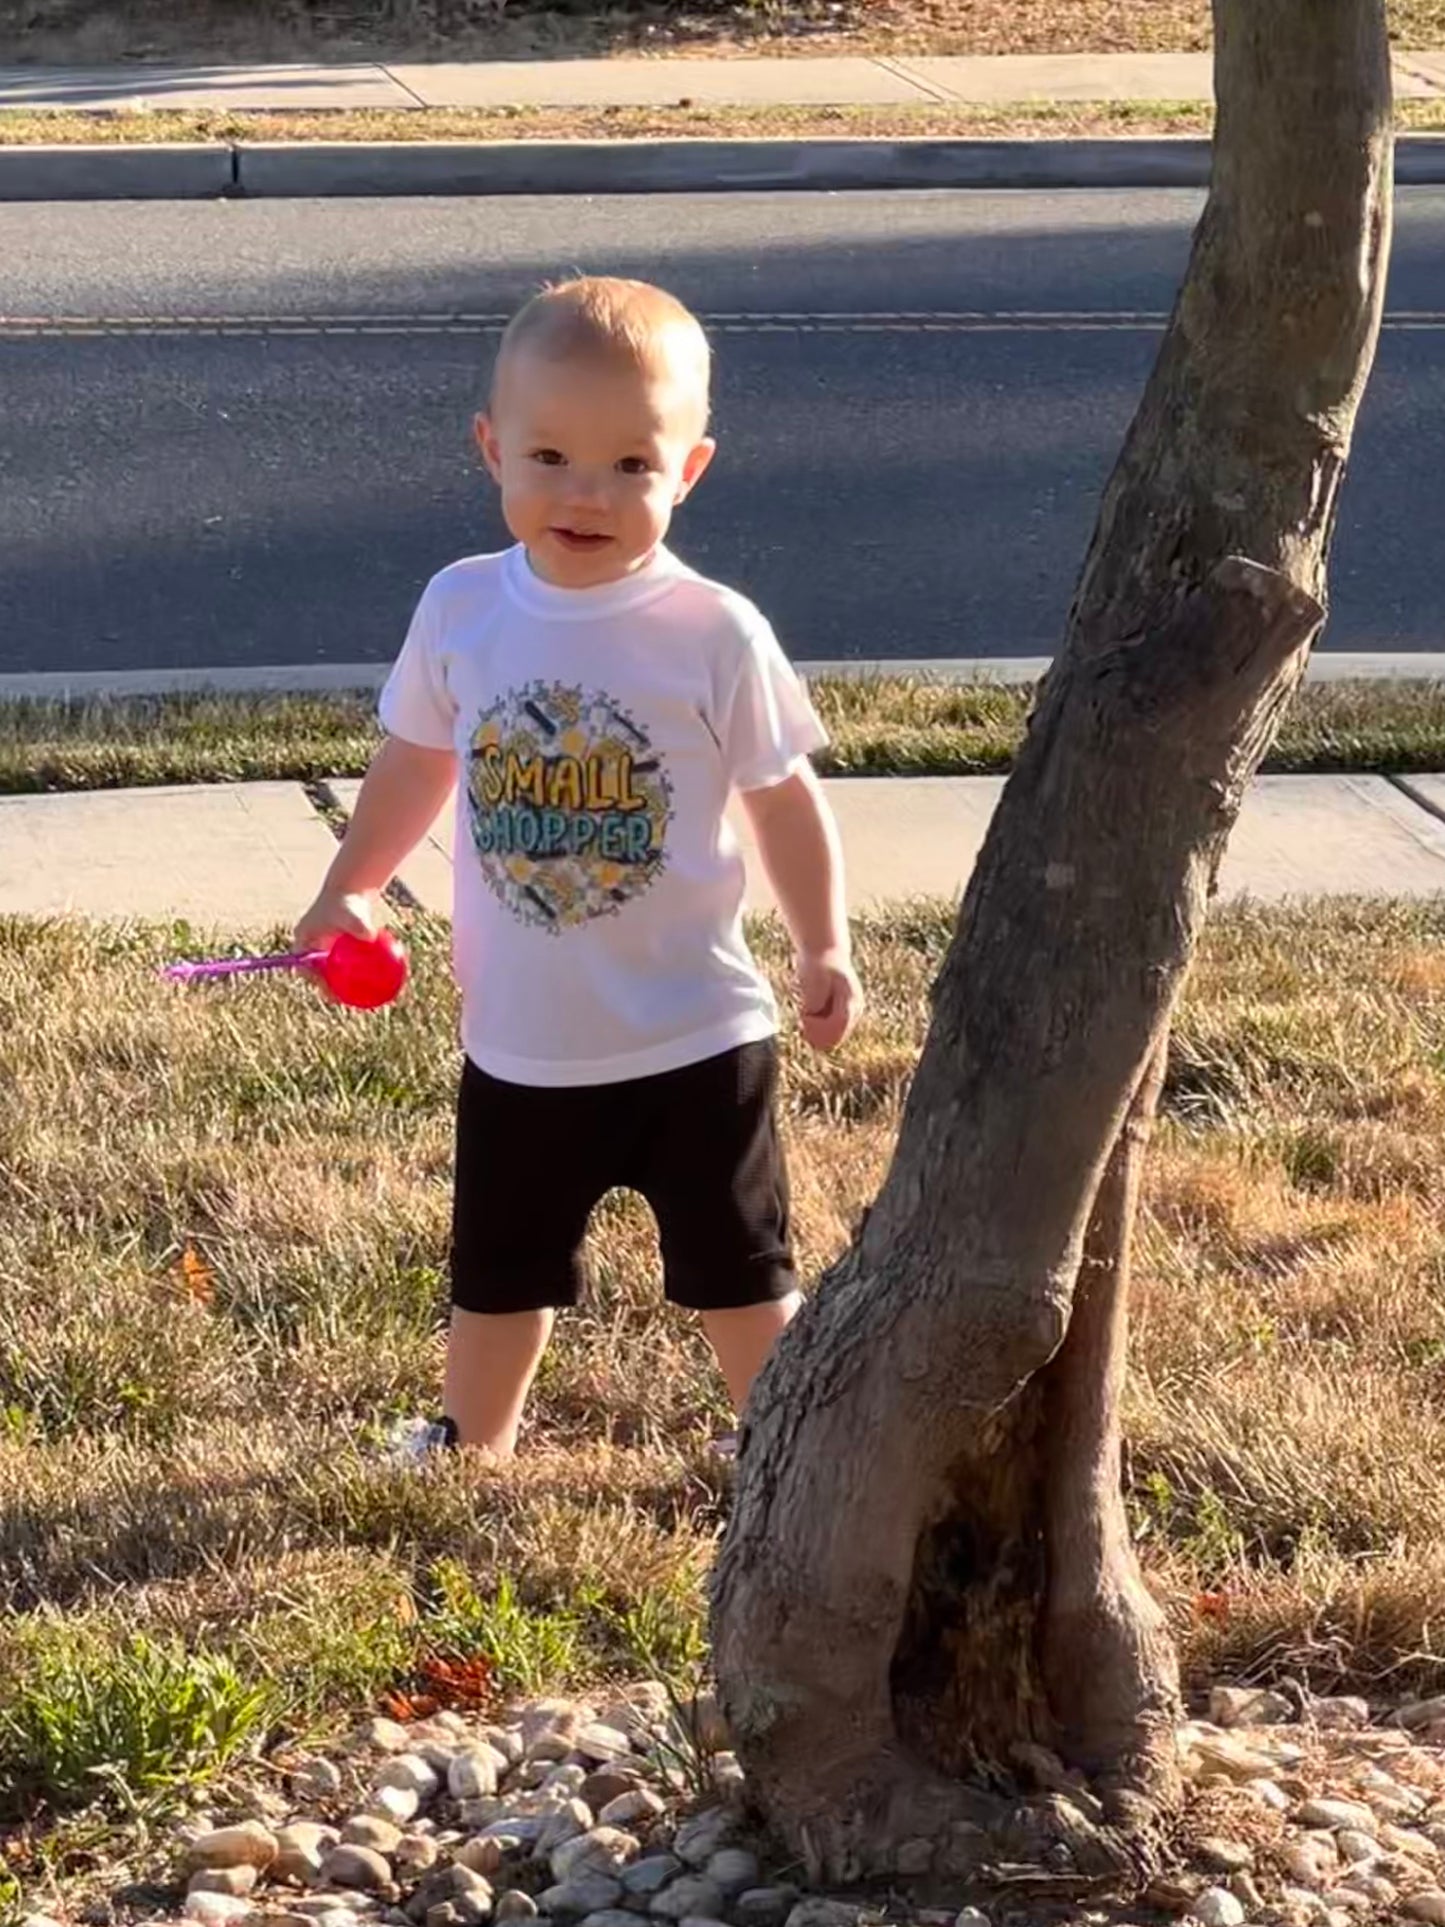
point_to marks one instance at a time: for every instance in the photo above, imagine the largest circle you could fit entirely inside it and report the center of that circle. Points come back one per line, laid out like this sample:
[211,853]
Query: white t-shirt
[597,929]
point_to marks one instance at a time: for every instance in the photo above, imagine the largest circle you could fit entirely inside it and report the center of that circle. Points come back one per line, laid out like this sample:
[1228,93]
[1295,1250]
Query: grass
[885,726]
[1033,120]
[134,1716]
[20,128]
[223,1221]
[80,33]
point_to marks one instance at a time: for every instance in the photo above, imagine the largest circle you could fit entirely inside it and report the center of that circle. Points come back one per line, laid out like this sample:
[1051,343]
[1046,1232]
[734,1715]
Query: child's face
[591,459]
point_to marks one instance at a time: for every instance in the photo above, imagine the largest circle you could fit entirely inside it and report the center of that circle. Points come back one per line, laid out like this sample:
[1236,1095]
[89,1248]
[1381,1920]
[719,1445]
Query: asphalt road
[237,434]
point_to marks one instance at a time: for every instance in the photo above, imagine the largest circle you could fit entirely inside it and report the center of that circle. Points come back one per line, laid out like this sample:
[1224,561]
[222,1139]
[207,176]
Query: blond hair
[602,317]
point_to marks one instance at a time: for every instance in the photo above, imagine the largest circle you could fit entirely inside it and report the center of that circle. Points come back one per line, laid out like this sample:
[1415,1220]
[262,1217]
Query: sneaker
[412,1441]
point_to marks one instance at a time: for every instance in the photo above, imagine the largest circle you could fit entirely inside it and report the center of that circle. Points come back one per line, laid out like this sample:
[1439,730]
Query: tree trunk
[931,1635]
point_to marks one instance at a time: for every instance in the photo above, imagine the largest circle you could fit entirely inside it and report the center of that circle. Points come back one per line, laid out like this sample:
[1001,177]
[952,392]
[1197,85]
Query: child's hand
[350,912]
[830,995]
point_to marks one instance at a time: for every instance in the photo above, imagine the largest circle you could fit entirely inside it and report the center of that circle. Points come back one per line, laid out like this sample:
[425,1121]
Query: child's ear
[486,435]
[695,467]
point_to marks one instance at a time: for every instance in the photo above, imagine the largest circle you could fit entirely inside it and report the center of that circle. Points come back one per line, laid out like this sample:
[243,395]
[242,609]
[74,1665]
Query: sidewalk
[249,856]
[860,81]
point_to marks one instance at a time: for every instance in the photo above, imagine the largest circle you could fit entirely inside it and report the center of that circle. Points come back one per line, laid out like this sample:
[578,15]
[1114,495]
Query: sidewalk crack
[1406,788]
[416,99]
[900,70]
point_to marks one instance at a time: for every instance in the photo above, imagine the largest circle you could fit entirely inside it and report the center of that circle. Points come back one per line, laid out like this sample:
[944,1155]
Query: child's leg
[518,1221]
[717,1180]
[743,1337]
[491,1362]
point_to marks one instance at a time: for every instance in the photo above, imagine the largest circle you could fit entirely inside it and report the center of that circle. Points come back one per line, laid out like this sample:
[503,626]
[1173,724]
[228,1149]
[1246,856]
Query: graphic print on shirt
[569,805]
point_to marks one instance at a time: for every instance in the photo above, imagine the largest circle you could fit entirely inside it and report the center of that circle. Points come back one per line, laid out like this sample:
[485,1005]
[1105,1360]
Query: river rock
[417,1853]
[352,1865]
[484,1853]
[1247,1706]
[301,1847]
[1356,1846]
[636,1805]
[1337,1813]
[644,1878]
[1216,1907]
[399,1804]
[1373,1885]
[1269,1793]
[549,1729]
[371,1831]
[249,1845]
[605,1850]
[514,1905]
[473,1775]
[566,1779]
[520,1829]
[692,1895]
[589,1893]
[1302,1904]
[733,1869]
[383,1736]
[567,1822]
[237,1881]
[1408,1841]
[1223,1757]
[1340,1713]
[215,1910]
[1308,1863]
[600,1743]
[699,1838]
[411,1773]
[639,1710]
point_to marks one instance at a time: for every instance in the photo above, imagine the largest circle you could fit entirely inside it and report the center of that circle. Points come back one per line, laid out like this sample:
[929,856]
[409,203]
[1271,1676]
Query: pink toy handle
[244,966]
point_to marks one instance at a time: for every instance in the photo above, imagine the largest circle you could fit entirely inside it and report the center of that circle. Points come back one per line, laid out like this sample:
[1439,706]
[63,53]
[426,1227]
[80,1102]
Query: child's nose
[587,486]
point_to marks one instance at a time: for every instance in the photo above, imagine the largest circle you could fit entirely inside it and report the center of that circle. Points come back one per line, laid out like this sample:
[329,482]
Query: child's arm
[404,791]
[798,841]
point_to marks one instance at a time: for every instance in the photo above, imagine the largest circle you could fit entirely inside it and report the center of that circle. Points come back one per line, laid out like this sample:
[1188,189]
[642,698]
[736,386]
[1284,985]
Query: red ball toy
[364,972]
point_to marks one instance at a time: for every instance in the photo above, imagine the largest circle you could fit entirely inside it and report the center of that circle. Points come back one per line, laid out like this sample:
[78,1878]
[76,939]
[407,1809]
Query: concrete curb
[177,172]
[679,167]
[304,678]
[296,169]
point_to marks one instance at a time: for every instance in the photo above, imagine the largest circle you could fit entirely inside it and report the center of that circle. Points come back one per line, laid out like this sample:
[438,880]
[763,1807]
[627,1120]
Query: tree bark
[929,1626]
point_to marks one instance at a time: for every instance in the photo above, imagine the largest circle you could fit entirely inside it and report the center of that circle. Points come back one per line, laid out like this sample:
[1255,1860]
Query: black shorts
[700,1144]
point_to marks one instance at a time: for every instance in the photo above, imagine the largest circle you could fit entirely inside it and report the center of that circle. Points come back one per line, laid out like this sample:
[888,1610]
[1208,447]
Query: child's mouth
[580,540]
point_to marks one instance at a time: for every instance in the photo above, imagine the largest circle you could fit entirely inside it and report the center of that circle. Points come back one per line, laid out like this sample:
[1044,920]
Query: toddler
[598,703]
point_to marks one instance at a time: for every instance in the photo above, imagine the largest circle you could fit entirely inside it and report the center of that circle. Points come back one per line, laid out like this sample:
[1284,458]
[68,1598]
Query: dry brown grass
[1033,120]
[185,1440]
[72,32]
[1021,120]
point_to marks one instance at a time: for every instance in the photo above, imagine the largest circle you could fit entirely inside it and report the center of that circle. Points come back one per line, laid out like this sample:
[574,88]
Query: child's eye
[549,457]
[635,465]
